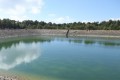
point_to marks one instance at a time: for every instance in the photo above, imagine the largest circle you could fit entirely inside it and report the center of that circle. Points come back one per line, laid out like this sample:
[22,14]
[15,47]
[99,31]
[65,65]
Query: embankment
[32,32]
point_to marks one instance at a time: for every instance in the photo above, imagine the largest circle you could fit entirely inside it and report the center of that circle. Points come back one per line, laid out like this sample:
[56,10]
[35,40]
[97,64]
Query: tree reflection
[16,52]
[8,43]
[87,41]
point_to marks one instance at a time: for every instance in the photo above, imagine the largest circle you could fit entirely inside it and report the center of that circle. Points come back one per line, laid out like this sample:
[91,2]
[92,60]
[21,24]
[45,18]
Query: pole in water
[67,33]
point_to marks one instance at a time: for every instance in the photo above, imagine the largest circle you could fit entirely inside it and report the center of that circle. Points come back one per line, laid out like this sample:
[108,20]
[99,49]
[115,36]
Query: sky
[60,11]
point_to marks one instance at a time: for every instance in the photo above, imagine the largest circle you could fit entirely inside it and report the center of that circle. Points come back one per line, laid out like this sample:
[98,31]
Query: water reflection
[22,51]
[100,41]
[17,51]
[89,42]
[7,43]
[16,55]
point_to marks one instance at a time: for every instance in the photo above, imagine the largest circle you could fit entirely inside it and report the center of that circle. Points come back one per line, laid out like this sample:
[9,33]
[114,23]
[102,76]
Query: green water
[60,58]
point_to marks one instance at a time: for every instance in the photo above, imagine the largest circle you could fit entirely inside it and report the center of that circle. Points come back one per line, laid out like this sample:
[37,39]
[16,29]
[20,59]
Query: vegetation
[29,24]
[14,41]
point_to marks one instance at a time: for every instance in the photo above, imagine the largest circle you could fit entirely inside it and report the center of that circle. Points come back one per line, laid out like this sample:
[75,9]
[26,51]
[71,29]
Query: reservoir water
[60,58]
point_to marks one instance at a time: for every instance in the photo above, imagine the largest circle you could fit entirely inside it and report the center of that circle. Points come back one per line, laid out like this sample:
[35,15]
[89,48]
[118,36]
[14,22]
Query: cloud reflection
[18,54]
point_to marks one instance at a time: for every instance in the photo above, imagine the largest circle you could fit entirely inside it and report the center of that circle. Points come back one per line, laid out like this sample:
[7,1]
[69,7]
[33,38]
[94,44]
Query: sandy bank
[10,77]
[30,32]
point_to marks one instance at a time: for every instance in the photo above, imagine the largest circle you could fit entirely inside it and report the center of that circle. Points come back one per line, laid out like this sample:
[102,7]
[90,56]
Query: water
[59,58]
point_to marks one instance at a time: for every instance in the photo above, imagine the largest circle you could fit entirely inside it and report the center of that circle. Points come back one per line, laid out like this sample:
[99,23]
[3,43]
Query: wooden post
[67,33]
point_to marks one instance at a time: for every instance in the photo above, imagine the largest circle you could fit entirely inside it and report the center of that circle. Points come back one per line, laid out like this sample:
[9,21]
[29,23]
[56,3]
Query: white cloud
[20,8]
[115,19]
[20,18]
[35,10]
[17,10]
[52,15]
[0,10]
[53,18]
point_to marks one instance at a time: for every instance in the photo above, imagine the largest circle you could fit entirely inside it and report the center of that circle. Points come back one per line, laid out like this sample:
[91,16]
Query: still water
[60,58]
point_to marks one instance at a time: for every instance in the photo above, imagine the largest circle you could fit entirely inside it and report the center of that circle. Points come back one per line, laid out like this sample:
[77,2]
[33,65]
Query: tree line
[30,24]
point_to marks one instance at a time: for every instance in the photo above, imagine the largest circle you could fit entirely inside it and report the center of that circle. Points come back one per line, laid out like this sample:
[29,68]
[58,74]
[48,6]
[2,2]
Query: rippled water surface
[60,58]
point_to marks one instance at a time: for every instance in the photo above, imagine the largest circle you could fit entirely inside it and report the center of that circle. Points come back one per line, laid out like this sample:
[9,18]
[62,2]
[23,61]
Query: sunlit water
[59,58]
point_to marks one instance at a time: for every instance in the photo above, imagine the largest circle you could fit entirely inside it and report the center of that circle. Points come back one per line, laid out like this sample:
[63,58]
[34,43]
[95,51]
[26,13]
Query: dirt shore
[32,32]
[10,77]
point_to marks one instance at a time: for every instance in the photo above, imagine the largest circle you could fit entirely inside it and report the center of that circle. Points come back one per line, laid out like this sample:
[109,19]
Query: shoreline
[8,76]
[8,33]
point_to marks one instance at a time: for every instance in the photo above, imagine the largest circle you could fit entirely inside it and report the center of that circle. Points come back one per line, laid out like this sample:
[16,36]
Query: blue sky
[60,11]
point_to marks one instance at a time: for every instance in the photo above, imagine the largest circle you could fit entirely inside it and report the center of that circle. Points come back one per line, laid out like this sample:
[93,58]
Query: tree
[30,24]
